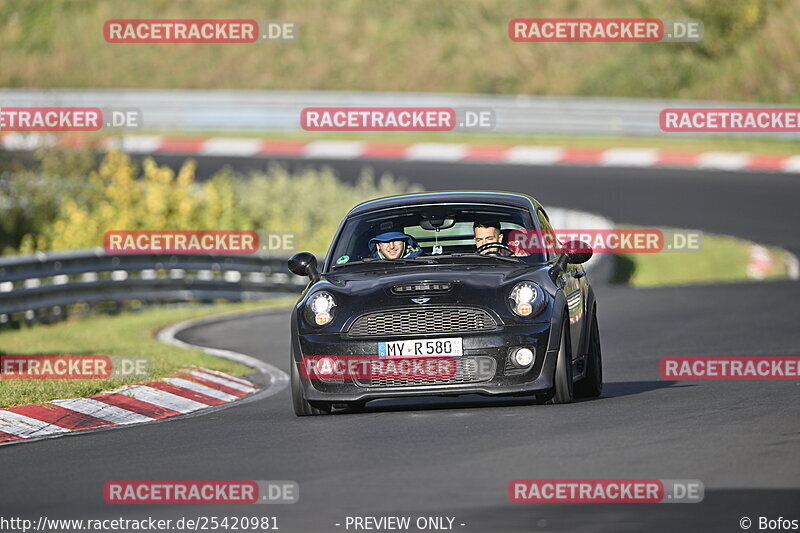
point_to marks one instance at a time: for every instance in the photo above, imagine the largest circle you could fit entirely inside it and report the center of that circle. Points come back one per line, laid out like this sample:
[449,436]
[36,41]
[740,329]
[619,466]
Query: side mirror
[304,264]
[577,252]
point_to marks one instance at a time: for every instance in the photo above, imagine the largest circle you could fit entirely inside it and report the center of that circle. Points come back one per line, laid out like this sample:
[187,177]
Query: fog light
[325,366]
[523,357]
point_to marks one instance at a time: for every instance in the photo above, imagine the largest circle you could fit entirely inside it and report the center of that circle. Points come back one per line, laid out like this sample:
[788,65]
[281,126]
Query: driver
[488,231]
[394,245]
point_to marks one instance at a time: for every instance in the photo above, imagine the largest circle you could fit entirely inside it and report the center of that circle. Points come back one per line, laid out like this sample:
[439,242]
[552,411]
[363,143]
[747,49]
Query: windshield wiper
[511,259]
[427,259]
[400,260]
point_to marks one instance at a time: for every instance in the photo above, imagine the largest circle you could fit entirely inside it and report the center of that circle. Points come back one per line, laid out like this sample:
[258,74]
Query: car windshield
[432,234]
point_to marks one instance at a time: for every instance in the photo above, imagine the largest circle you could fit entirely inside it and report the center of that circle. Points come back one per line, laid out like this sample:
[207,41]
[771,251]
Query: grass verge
[723,259]
[749,52]
[130,334]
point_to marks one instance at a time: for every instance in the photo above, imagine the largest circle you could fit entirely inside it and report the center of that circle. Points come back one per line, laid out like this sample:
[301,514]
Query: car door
[575,287]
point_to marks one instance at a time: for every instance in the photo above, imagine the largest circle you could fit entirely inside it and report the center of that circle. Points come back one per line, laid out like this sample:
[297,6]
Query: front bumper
[495,345]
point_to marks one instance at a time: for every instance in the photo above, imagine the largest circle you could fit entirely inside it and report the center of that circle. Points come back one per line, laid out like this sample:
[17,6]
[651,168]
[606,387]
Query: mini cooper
[430,294]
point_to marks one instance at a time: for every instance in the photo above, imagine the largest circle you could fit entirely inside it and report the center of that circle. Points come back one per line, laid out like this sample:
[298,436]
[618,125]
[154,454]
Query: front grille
[422,321]
[468,370]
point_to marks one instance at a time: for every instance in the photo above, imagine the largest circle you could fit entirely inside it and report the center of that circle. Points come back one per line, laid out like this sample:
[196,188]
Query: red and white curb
[196,391]
[761,264]
[426,151]
[142,402]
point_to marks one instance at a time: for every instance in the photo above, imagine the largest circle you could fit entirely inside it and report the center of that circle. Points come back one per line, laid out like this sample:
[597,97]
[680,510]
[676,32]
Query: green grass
[129,334]
[750,52]
[723,259]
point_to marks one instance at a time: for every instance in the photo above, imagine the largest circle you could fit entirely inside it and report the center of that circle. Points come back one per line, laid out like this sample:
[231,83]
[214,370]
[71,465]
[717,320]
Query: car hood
[487,286]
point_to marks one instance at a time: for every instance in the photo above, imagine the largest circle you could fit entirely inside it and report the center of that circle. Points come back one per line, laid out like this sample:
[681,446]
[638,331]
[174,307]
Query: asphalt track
[456,457]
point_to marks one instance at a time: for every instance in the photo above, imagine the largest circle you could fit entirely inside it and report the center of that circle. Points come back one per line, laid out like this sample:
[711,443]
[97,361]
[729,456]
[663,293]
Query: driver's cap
[387,237]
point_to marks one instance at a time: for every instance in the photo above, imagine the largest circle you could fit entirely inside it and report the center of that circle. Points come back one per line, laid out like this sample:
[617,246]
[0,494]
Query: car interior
[437,231]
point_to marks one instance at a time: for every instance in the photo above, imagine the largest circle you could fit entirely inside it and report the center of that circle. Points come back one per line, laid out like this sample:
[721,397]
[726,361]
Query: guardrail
[41,287]
[265,111]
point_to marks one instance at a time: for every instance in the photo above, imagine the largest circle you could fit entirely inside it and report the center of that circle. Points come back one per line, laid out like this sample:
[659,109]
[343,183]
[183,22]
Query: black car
[406,304]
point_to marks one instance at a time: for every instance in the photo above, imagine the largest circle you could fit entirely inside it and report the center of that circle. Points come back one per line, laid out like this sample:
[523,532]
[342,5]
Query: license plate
[421,347]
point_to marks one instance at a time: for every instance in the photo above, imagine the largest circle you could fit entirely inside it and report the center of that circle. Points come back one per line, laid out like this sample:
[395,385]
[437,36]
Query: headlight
[526,299]
[319,308]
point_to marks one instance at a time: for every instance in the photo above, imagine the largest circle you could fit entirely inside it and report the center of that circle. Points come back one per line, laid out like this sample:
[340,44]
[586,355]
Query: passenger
[394,245]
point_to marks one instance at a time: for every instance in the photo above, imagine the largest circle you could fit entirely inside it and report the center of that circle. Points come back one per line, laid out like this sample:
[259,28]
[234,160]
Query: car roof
[446,197]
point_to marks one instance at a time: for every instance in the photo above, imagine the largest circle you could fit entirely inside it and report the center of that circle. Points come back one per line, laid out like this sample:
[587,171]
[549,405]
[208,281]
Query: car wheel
[562,391]
[591,386]
[303,407]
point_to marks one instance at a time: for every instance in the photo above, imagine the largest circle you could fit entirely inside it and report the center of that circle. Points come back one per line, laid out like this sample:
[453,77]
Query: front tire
[562,391]
[591,386]
[303,407]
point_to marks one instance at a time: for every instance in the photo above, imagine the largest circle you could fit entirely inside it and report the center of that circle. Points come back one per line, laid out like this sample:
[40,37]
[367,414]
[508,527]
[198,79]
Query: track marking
[108,412]
[202,389]
[26,427]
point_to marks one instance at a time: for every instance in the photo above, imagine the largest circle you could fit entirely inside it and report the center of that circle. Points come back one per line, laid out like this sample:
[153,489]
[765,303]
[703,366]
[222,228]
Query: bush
[309,203]
[43,210]
[31,198]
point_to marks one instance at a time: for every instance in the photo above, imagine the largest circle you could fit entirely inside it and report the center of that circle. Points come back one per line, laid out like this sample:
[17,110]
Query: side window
[544,221]
[544,225]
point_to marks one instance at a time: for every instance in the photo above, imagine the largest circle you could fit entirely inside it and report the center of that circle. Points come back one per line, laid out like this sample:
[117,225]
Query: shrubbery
[69,202]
